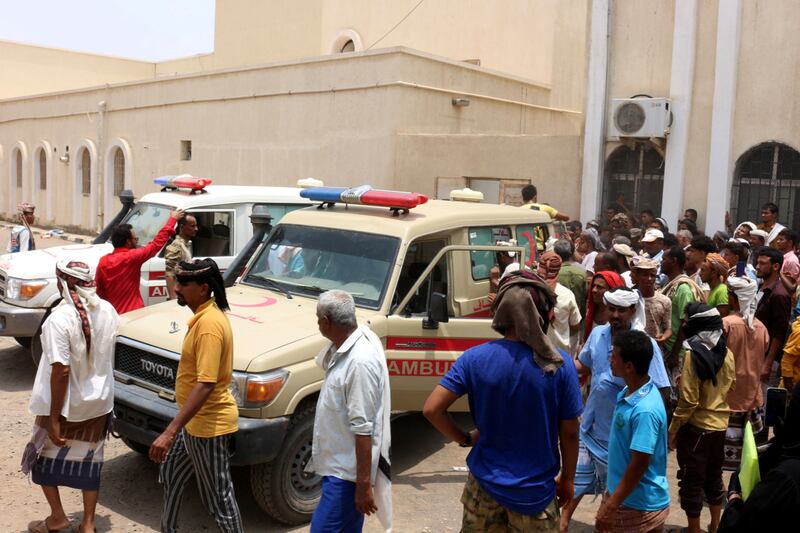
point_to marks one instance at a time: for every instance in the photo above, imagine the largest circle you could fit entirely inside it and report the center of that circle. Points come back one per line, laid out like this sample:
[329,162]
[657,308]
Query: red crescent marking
[266,303]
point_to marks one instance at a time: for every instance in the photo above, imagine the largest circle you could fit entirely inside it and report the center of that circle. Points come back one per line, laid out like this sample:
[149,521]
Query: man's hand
[161,446]
[672,442]
[54,432]
[365,501]
[177,214]
[606,516]
[565,490]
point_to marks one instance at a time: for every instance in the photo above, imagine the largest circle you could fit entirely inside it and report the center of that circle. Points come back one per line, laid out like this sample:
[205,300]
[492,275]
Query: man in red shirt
[118,273]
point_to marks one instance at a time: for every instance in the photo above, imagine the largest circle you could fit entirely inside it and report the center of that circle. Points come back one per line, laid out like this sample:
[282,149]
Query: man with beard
[774,306]
[198,439]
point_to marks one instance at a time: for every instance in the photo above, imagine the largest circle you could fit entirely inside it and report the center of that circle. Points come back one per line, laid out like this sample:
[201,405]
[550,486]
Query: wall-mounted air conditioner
[639,117]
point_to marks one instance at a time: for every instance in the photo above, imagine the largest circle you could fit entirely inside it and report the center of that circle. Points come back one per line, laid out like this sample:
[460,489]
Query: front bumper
[20,321]
[141,416]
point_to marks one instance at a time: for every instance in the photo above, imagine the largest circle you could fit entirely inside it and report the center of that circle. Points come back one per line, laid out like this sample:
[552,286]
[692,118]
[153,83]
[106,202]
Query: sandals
[40,526]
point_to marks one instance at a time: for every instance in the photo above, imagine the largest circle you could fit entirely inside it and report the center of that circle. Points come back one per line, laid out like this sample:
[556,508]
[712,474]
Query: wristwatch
[468,442]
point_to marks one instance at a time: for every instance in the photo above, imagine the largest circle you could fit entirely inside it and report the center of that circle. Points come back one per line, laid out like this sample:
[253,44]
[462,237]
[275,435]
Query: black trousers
[701,454]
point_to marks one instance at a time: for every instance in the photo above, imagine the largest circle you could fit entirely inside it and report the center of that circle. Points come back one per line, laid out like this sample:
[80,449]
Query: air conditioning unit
[639,117]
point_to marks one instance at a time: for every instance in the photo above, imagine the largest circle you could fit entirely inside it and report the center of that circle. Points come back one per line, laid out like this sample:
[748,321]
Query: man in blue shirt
[626,311]
[523,409]
[638,493]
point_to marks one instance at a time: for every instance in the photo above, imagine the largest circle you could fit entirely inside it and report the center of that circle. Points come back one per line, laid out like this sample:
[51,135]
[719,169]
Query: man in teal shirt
[638,492]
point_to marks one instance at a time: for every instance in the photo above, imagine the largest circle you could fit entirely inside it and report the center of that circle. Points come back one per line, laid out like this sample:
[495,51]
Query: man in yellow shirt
[700,420]
[198,438]
[530,196]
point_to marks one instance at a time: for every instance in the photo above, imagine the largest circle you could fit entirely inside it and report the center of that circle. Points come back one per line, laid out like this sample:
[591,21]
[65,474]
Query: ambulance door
[428,328]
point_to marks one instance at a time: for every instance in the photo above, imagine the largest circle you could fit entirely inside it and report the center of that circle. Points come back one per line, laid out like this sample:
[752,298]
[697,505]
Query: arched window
[349,46]
[86,172]
[119,171]
[18,166]
[637,175]
[769,172]
[42,170]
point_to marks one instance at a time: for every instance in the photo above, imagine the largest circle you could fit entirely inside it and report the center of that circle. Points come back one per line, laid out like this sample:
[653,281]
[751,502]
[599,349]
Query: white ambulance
[28,288]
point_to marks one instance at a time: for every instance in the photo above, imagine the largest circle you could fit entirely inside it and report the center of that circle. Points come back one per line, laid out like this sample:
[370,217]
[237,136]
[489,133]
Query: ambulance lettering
[158,292]
[416,367]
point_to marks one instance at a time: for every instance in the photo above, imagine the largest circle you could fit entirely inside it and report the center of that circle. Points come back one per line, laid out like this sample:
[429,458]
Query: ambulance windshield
[308,260]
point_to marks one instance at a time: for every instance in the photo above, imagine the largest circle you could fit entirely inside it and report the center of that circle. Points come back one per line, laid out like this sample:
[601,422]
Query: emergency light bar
[365,195]
[183,181]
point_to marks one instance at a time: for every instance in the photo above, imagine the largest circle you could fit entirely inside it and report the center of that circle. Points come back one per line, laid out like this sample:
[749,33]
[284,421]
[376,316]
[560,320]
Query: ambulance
[28,288]
[418,271]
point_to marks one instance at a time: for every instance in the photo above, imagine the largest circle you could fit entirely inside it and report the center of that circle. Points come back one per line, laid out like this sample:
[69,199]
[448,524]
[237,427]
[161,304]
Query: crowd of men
[625,341]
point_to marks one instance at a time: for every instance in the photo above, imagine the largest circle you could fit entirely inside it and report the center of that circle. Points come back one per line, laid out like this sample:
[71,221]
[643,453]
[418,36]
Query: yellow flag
[749,474]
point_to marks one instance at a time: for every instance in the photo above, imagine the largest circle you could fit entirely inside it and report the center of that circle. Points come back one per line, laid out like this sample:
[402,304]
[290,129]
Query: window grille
[770,172]
[42,170]
[637,175]
[119,171]
[86,172]
[18,168]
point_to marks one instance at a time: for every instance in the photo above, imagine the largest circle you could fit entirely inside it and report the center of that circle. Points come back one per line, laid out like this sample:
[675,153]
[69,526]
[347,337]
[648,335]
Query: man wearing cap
[748,339]
[626,311]
[21,239]
[657,307]
[624,255]
[653,244]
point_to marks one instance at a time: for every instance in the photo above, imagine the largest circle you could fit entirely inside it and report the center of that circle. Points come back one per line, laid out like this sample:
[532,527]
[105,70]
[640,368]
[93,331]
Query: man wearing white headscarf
[625,312]
[748,339]
[72,397]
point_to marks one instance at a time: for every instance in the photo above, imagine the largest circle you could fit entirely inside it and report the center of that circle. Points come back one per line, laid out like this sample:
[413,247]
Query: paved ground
[429,474]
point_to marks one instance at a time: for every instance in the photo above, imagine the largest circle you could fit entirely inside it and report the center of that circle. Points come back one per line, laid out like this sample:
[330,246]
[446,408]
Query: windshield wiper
[274,284]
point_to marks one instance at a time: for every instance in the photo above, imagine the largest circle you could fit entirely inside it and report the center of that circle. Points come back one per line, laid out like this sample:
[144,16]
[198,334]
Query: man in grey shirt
[351,426]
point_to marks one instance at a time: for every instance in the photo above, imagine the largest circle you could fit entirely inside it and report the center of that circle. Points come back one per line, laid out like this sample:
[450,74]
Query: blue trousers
[336,512]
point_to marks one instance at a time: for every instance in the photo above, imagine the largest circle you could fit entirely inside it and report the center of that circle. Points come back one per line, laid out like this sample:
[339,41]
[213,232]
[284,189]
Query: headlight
[24,289]
[257,390]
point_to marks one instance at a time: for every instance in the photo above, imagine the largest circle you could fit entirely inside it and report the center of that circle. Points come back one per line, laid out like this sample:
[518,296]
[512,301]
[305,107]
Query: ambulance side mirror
[437,311]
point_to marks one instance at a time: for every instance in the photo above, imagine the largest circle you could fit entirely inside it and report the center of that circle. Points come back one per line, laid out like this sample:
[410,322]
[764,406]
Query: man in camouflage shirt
[179,250]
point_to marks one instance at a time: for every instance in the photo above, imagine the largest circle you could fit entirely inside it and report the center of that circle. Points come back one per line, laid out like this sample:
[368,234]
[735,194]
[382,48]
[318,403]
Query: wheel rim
[305,486]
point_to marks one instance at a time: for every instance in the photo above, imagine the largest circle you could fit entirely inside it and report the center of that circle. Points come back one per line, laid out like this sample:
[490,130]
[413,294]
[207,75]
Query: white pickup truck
[28,289]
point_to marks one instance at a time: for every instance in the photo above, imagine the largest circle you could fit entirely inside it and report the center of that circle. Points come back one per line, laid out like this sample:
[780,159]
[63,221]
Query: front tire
[281,487]
[36,348]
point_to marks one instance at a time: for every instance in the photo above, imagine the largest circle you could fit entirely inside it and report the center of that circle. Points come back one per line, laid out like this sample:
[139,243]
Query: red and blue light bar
[183,181]
[364,195]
